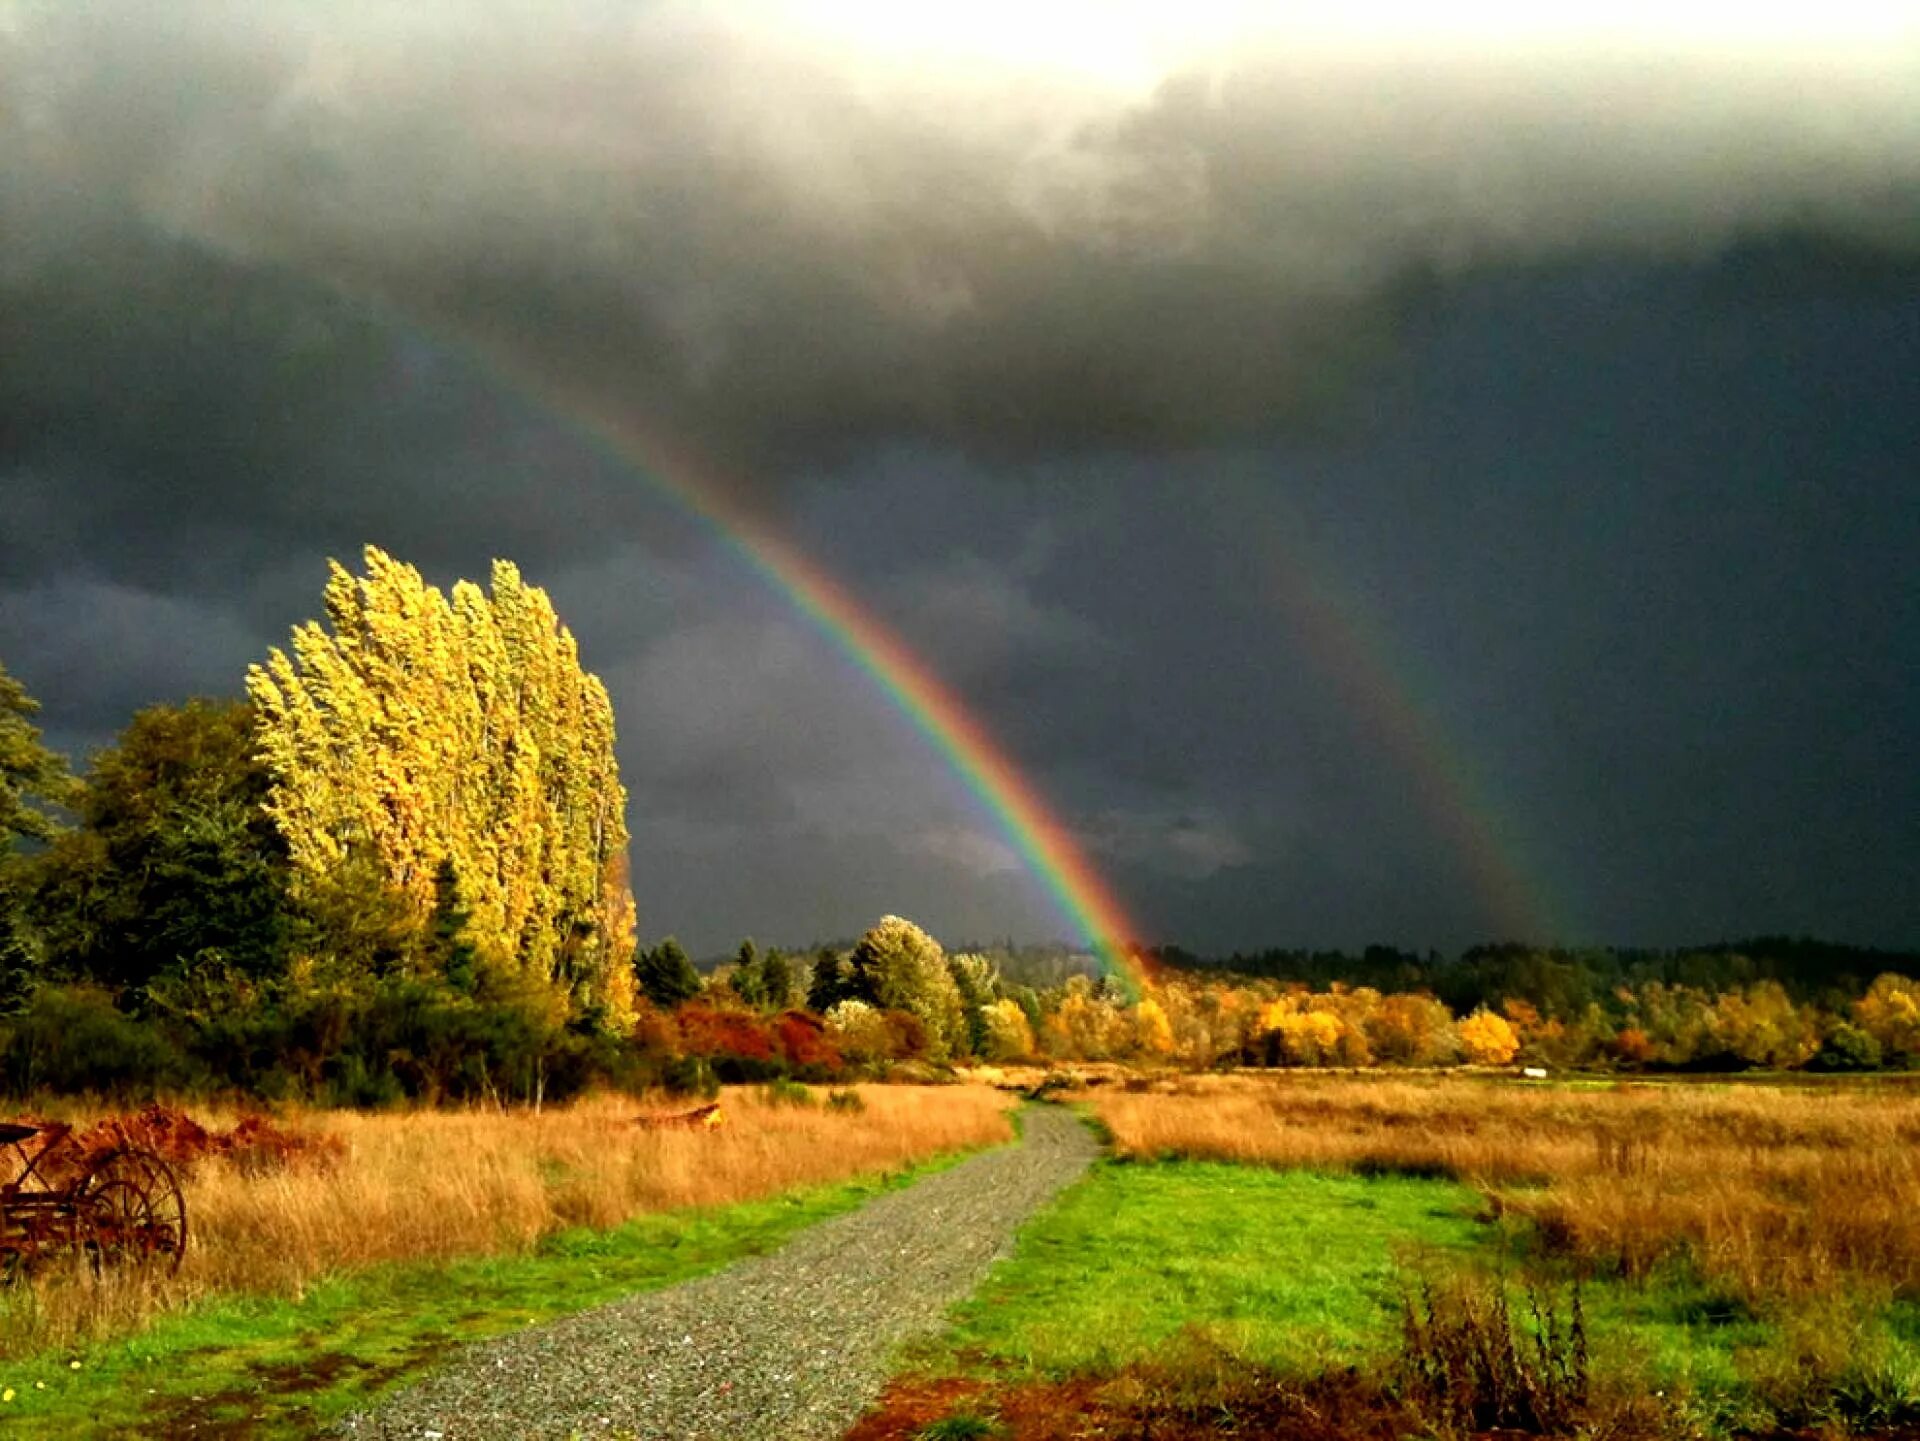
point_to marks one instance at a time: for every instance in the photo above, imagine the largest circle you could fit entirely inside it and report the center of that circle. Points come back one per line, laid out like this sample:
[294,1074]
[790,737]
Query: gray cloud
[781,240]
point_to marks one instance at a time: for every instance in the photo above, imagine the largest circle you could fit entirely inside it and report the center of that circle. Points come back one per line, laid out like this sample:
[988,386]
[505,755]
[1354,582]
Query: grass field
[1743,1253]
[446,1186]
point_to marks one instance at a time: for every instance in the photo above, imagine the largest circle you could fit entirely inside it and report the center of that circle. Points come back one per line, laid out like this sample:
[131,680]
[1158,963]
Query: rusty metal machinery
[121,1208]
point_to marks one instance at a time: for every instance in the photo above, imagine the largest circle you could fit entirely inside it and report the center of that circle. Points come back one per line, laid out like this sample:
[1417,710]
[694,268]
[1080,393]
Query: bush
[73,1040]
[690,1076]
[782,1092]
[1847,1048]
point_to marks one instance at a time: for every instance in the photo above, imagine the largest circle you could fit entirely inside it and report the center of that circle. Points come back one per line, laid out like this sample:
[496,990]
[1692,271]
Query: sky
[1446,474]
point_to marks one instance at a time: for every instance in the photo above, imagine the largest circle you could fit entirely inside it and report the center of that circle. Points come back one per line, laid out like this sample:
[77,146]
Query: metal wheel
[130,1213]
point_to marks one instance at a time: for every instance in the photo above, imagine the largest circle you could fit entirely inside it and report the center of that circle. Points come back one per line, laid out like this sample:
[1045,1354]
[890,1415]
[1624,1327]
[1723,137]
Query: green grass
[278,1368]
[1289,1269]
[1297,1271]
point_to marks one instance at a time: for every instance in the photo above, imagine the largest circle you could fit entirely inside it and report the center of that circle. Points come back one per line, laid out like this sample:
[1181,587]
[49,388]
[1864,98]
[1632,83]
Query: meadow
[1772,1192]
[1248,1260]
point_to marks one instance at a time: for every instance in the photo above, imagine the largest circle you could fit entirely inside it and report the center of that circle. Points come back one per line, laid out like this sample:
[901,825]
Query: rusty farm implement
[117,1208]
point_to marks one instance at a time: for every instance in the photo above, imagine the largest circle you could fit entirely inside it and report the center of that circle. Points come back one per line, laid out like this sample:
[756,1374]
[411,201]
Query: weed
[1467,1363]
[1831,1364]
[960,1427]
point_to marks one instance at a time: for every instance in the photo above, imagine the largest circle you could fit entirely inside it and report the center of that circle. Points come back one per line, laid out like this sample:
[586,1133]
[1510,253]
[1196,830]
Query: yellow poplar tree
[414,730]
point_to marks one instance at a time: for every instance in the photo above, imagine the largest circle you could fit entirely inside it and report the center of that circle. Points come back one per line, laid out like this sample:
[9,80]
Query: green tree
[776,979]
[450,952]
[417,727]
[978,984]
[899,967]
[746,975]
[175,861]
[666,975]
[32,779]
[830,981]
[29,772]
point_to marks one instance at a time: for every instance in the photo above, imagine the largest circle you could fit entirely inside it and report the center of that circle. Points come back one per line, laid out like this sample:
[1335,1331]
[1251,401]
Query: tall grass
[1770,1191]
[440,1184]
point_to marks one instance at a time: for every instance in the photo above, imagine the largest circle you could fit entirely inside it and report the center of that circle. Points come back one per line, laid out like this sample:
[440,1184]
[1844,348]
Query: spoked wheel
[131,1213]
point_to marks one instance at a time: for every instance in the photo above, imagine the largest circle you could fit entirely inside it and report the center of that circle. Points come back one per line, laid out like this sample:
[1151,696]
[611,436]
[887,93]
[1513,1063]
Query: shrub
[1846,1048]
[807,1048]
[73,1040]
[690,1076]
[737,1043]
[782,1092]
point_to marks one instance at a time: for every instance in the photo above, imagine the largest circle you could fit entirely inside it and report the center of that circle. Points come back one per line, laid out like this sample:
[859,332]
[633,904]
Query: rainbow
[1047,847]
[1378,683]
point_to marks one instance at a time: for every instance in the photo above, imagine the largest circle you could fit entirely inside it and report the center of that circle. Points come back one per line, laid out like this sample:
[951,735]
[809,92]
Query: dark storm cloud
[779,239]
[180,420]
[1025,344]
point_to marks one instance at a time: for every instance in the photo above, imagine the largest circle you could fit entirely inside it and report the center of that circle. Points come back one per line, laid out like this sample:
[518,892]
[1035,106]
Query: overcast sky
[1403,480]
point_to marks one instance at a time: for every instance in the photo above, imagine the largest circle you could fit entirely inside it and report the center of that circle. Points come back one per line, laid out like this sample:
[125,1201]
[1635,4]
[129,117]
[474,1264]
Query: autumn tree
[1761,1026]
[1488,1038]
[1889,1014]
[1152,1031]
[414,727]
[1412,1030]
[896,966]
[1008,1037]
[1086,1025]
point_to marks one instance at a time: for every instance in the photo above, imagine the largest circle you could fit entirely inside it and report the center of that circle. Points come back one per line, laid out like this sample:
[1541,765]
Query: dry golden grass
[440,1184]
[1771,1190]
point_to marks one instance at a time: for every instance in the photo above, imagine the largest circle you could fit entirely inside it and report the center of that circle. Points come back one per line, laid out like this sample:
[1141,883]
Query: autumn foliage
[421,741]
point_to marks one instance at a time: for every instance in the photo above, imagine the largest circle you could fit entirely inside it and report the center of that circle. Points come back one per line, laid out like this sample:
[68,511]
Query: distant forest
[1564,982]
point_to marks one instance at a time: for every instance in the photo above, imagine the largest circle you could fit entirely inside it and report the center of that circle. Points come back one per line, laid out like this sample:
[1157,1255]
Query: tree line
[395,869]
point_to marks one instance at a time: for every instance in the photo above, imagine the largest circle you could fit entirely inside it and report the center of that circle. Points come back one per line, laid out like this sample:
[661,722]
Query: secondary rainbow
[1382,685]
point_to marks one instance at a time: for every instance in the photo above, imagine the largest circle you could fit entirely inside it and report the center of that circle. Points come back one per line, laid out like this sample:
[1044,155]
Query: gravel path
[786,1347]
